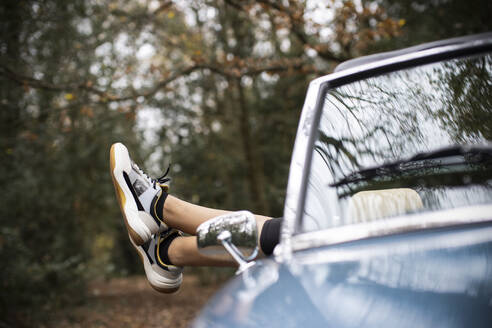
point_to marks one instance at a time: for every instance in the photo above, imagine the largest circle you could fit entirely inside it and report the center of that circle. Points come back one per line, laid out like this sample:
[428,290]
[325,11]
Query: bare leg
[187,217]
[184,252]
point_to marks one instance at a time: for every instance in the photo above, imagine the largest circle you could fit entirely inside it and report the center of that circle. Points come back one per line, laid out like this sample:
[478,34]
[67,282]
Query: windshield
[410,141]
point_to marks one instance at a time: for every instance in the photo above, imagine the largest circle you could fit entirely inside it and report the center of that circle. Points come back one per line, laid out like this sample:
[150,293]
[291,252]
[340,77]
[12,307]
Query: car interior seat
[366,206]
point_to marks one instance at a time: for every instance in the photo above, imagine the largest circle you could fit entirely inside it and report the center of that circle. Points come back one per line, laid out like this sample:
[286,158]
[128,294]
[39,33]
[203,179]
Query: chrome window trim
[467,235]
[394,225]
[310,115]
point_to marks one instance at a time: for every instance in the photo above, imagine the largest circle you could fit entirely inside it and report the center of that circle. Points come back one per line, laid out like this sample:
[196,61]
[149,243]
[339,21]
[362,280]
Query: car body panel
[398,273]
[422,279]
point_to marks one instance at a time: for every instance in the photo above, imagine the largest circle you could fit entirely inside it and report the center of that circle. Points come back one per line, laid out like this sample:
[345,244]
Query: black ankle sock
[270,235]
[164,247]
[159,207]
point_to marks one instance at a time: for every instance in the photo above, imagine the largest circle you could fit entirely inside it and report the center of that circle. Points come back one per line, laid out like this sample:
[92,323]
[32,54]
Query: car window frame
[292,238]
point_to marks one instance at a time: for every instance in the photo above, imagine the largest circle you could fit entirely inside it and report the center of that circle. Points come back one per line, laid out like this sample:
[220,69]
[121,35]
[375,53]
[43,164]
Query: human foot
[138,195]
[164,278]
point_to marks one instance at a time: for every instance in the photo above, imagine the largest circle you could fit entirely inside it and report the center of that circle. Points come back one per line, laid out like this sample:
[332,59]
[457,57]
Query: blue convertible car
[388,214]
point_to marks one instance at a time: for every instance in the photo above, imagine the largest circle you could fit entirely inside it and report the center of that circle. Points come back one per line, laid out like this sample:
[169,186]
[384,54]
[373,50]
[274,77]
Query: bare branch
[275,5]
[86,86]
[165,5]
[141,15]
[297,27]
[234,5]
[39,84]
[231,71]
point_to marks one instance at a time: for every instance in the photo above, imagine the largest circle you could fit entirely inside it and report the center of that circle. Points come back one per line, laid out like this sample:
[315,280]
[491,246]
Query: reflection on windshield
[390,118]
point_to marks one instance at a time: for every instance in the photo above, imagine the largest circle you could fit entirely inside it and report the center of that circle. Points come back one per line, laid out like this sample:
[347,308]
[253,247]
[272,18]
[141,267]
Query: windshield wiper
[471,154]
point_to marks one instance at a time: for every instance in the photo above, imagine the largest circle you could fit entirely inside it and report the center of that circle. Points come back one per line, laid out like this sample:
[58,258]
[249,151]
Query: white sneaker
[162,277]
[137,195]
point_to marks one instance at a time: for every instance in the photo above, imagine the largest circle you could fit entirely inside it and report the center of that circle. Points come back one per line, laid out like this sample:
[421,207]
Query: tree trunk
[253,160]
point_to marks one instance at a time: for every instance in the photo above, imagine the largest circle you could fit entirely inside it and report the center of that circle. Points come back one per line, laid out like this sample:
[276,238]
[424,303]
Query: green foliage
[239,155]
[227,80]
[426,21]
[57,195]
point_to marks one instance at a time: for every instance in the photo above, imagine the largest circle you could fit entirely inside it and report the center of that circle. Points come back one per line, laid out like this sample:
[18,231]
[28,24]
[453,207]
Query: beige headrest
[366,206]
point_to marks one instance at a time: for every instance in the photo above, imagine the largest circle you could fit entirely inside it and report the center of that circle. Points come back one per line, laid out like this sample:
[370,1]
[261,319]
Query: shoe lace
[163,179]
[160,181]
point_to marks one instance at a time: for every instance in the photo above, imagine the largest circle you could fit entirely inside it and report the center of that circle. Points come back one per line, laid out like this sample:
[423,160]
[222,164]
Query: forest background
[212,87]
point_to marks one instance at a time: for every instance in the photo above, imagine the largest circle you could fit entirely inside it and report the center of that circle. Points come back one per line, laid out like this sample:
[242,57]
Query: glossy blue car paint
[439,278]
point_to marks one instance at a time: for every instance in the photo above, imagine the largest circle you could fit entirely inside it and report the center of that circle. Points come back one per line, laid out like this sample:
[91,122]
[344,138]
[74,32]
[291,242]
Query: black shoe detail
[139,187]
[153,206]
[127,180]
[162,248]
[146,247]
[160,205]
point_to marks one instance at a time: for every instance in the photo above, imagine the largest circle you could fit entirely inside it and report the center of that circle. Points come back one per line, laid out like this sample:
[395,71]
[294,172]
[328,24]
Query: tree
[225,79]
[56,131]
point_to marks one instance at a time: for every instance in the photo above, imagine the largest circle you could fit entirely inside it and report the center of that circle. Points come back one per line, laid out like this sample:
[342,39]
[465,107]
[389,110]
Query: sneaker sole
[156,281]
[138,231]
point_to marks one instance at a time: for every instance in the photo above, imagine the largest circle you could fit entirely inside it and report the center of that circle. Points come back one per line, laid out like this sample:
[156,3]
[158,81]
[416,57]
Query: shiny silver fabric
[234,233]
